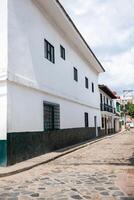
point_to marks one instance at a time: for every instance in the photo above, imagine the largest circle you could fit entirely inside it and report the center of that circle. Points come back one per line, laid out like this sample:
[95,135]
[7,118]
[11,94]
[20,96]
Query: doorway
[95,125]
[106,126]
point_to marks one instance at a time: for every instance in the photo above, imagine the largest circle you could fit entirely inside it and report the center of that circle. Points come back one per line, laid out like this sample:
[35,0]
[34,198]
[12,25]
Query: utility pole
[124,111]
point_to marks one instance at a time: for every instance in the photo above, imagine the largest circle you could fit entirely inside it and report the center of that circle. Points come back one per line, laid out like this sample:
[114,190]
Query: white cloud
[83,7]
[120,71]
[108,27]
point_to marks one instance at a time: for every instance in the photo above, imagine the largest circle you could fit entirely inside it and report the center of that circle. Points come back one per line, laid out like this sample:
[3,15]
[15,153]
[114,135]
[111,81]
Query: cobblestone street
[103,170]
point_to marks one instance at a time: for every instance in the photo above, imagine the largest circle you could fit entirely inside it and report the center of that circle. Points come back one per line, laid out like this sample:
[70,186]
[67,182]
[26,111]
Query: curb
[73,149]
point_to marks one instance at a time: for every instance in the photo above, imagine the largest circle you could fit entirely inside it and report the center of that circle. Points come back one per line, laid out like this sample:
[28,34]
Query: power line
[128,93]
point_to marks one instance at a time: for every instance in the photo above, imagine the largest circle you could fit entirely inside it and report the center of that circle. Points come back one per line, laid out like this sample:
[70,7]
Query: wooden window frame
[49,51]
[75,74]
[107,101]
[86,118]
[92,87]
[101,98]
[55,115]
[62,52]
[86,83]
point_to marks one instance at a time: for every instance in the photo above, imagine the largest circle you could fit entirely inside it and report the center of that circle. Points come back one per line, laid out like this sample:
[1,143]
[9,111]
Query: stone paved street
[103,170]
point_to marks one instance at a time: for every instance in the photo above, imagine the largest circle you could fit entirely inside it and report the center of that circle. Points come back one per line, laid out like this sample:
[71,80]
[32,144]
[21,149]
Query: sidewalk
[31,163]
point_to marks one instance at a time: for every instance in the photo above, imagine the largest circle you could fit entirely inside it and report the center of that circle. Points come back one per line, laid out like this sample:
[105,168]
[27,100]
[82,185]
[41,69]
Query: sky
[108,28]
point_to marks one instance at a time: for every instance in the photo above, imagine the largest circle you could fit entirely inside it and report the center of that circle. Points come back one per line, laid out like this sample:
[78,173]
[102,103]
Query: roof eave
[76,29]
[57,12]
[106,90]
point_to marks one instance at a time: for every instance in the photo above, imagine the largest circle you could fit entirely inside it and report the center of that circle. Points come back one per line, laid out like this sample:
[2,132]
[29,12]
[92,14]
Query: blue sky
[108,28]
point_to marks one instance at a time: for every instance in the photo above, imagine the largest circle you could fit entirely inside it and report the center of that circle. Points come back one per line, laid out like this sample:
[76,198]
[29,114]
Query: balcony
[107,108]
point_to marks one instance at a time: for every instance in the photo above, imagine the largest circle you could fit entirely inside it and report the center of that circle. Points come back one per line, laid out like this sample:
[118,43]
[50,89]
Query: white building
[48,81]
[109,119]
[127,99]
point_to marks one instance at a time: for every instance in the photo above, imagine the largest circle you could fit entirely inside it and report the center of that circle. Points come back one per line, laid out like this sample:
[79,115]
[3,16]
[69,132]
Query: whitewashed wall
[28,27]
[3,69]
[117,125]
[26,110]
[3,36]
[3,111]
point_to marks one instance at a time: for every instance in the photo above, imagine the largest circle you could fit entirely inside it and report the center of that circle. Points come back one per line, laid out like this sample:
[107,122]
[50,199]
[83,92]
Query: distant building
[127,97]
[109,118]
[118,110]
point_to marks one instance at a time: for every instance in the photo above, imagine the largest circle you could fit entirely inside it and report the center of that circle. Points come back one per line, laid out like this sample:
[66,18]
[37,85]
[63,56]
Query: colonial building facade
[109,118]
[49,96]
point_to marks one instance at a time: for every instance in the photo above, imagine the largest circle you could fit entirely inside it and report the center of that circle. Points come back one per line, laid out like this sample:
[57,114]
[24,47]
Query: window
[92,87]
[51,116]
[75,74]
[62,52]
[107,101]
[104,99]
[101,98]
[102,122]
[86,119]
[48,117]
[86,83]
[49,52]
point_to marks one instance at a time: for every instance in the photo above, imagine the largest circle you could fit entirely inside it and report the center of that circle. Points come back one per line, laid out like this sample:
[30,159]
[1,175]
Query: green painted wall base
[25,145]
[3,153]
